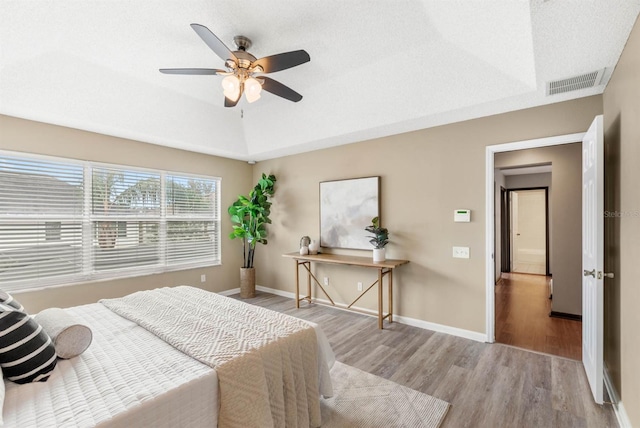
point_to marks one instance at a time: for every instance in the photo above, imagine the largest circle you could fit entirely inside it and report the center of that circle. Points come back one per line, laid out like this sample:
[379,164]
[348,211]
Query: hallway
[522,318]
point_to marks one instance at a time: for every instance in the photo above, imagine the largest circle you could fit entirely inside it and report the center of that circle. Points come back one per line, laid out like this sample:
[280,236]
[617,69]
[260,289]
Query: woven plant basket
[247,283]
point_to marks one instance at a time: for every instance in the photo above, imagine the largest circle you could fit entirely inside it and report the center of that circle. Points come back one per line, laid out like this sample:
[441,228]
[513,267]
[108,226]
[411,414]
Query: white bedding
[127,378]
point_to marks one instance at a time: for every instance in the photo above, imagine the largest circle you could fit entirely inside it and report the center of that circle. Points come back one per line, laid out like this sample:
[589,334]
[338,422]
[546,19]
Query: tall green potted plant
[249,216]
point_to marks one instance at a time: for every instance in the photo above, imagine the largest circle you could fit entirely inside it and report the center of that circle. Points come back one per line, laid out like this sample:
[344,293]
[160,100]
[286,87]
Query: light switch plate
[461,252]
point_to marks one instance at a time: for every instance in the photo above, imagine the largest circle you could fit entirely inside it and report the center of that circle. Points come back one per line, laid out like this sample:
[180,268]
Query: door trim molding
[505,232]
[490,151]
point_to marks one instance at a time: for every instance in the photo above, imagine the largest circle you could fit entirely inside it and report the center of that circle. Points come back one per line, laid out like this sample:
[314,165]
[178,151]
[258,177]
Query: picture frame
[346,208]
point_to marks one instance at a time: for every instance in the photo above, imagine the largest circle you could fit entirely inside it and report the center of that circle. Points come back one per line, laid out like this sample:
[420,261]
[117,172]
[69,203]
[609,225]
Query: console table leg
[391,296]
[297,285]
[380,299]
[309,282]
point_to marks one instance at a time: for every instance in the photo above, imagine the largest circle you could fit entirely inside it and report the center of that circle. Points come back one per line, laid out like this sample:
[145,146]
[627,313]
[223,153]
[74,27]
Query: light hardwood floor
[488,385]
[522,318]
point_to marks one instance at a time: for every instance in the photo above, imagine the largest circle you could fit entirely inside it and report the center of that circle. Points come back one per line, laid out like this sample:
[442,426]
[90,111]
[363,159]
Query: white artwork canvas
[346,208]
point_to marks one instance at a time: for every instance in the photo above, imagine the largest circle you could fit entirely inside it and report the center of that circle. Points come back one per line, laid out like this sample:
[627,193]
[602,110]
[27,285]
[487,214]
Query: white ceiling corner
[377,67]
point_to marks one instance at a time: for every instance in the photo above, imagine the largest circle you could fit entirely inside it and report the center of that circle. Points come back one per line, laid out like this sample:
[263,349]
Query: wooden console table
[384,269]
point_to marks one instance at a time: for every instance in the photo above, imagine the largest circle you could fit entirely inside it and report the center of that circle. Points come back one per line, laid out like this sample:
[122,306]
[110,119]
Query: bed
[130,377]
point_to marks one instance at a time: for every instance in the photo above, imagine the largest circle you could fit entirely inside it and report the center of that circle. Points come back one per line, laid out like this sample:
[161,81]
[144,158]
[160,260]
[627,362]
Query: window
[63,221]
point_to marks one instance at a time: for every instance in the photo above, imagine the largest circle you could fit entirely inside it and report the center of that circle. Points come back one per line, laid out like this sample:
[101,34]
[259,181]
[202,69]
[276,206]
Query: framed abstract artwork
[346,208]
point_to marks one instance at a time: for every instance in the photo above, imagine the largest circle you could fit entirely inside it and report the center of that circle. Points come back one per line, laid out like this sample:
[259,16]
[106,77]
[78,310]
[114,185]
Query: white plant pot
[379,255]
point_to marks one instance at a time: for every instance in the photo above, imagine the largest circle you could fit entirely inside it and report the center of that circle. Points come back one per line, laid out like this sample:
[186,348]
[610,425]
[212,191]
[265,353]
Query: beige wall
[426,175]
[34,137]
[566,217]
[622,235]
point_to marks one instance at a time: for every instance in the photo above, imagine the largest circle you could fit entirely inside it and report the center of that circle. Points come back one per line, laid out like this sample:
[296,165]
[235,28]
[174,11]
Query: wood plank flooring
[522,318]
[488,385]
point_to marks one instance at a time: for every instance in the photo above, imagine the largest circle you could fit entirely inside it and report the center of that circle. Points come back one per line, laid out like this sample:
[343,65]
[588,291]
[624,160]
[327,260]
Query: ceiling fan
[243,70]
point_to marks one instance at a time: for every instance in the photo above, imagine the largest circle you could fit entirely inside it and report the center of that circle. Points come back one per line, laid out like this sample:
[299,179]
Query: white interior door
[529,230]
[593,256]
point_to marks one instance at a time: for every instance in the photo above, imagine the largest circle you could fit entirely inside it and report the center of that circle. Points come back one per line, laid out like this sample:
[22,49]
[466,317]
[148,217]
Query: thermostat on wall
[462,216]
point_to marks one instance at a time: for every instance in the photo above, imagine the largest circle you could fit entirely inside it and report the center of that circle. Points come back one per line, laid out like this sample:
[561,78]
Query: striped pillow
[2,394]
[7,299]
[26,352]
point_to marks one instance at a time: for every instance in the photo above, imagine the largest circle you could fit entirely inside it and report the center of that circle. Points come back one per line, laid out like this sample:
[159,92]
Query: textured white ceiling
[377,67]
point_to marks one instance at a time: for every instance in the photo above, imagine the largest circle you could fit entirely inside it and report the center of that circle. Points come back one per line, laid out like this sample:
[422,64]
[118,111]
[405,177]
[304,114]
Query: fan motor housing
[244,58]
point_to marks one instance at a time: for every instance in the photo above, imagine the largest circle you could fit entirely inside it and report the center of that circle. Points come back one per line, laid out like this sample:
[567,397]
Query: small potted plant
[379,239]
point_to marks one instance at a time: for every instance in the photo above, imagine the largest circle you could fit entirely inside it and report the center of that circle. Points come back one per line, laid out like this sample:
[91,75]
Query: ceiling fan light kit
[231,87]
[252,89]
[241,68]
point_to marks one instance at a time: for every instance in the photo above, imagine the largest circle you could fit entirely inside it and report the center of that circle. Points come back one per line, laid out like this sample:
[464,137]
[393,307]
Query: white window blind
[125,218]
[192,219]
[41,213]
[67,221]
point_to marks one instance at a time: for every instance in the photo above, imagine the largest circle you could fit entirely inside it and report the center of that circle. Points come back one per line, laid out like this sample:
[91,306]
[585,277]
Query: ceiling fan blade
[273,63]
[279,89]
[231,103]
[214,42]
[192,71]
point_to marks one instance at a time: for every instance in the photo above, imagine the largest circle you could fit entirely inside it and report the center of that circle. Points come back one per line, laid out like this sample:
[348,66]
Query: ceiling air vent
[575,83]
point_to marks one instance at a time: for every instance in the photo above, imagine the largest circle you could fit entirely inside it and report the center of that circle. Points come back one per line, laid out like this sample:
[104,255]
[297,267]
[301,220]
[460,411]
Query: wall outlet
[461,252]
[203,278]
[326,280]
[359,286]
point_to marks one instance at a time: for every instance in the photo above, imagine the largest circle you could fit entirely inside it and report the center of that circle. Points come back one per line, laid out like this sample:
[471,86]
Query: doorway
[524,311]
[565,225]
[522,296]
[528,214]
[586,215]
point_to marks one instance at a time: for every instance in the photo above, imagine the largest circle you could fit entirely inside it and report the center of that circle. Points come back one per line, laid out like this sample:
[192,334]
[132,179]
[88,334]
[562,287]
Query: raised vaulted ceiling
[377,67]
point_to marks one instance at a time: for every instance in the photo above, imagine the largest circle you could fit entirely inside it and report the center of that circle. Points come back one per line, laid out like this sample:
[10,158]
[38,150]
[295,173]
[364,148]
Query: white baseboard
[621,414]
[228,293]
[454,331]
[618,407]
[441,328]
[280,293]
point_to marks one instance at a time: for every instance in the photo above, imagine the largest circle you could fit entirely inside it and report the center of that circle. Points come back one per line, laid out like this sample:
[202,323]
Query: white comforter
[267,362]
[127,378]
